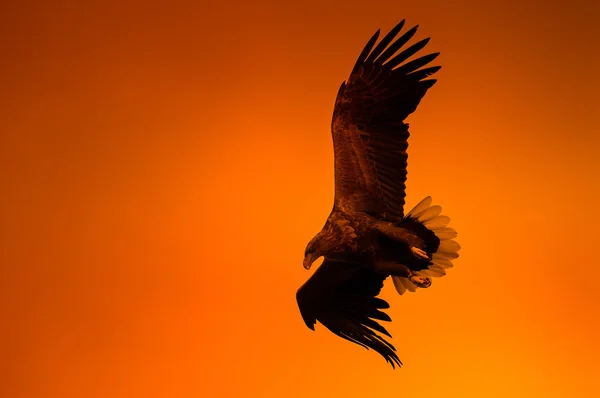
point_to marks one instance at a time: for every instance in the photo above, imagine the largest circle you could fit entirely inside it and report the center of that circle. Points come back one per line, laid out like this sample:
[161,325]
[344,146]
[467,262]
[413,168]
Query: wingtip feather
[366,50]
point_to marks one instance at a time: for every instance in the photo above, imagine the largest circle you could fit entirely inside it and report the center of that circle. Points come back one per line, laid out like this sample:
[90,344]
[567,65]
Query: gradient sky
[163,165]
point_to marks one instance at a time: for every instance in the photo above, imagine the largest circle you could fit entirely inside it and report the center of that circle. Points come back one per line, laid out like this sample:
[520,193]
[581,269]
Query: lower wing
[342,297]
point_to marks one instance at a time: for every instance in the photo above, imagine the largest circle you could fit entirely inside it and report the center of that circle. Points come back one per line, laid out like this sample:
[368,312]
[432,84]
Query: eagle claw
[420,281]
[419,253]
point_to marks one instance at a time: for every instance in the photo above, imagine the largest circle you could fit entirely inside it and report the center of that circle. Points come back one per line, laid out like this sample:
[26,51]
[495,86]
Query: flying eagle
[367,236]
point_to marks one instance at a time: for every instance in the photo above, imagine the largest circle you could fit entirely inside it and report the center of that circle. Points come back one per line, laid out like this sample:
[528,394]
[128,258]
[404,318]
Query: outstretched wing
[342,297]
[368,129]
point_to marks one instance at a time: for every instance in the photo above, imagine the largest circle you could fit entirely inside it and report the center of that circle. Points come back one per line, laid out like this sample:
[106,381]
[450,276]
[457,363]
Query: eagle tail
[430,217]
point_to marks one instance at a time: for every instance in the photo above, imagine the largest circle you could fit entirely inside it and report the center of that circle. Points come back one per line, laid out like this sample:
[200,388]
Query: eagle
[367,236]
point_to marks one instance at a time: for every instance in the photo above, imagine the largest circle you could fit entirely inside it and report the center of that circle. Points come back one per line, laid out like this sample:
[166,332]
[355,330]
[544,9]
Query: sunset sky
[163,165]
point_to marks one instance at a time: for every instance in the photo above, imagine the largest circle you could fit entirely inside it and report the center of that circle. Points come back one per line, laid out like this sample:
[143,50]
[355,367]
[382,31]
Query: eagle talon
[419,253]
[421,281]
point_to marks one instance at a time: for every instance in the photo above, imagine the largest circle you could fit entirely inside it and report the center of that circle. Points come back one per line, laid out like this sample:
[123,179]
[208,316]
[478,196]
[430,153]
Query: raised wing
[341,296]
[368,129]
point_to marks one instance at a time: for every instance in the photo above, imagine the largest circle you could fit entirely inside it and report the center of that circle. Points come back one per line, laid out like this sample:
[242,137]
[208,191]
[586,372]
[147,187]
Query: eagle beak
[309,259]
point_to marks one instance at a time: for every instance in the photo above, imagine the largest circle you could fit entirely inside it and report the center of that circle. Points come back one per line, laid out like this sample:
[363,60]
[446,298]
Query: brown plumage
[367,236]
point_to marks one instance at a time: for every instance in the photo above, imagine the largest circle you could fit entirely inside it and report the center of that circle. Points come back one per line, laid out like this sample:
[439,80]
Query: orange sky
[164,165]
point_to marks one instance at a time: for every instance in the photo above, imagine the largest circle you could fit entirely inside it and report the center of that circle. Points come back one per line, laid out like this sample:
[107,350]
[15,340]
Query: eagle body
[361,238]
[368,238]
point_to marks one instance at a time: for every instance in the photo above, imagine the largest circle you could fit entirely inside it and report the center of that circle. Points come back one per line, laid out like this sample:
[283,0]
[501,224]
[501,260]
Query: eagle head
[316,248]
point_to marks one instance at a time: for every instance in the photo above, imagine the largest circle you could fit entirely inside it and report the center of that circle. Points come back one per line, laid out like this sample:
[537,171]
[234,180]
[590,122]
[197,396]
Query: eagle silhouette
[367,237]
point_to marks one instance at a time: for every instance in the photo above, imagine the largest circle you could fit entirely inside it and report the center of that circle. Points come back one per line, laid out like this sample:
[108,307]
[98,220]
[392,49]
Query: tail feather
[448,246]
[436,223]
[403,284]
[446,233]
[429,214]
[441,260]
[424,204]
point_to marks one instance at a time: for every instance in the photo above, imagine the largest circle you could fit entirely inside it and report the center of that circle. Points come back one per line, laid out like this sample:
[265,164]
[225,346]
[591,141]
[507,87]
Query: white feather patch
[444,233]
[429,214]
[431,217]
[442,262]
[436,270]
[448,255]
[437,222]
[399,285]
[448,246]
[422,205]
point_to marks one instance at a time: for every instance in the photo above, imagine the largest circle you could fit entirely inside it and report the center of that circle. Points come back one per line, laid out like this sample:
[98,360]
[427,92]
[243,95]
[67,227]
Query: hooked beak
[309,259]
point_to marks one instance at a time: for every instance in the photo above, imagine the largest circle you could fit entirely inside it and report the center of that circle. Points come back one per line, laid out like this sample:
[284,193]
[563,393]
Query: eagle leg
[404,237]
[419,253]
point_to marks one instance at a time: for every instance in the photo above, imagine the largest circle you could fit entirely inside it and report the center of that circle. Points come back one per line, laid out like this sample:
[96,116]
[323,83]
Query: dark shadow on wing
[342,296]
